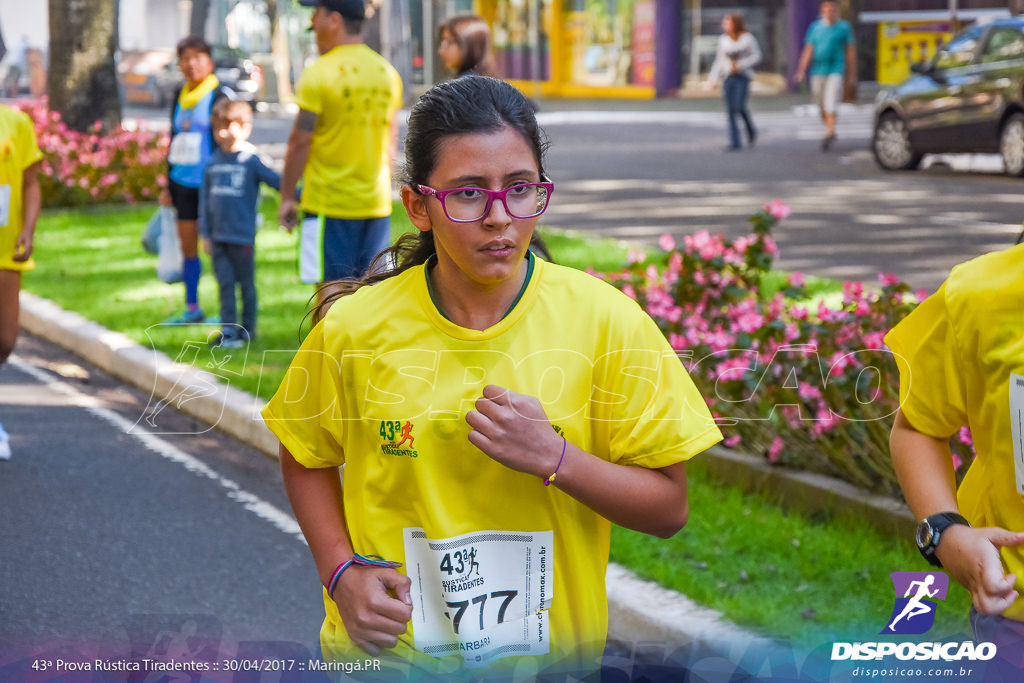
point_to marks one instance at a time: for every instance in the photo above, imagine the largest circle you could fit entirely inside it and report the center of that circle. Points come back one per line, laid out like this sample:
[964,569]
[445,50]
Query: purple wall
[667,46]
[799,15]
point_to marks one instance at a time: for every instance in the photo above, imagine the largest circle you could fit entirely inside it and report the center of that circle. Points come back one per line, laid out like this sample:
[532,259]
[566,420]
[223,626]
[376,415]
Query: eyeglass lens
[521,201]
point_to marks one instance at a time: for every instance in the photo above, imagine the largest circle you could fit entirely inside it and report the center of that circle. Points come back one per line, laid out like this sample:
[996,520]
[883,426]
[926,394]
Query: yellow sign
[902,43]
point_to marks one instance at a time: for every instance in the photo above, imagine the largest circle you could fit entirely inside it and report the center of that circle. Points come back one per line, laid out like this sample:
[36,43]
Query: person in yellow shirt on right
[342,145]
[961,361]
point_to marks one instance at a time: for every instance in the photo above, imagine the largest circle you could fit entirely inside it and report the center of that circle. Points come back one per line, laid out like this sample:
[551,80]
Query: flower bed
[805,383]
[97,167]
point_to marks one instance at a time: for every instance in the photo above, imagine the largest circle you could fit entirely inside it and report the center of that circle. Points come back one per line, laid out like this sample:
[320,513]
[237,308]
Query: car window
[1004,43]
[960,51]
[227,56]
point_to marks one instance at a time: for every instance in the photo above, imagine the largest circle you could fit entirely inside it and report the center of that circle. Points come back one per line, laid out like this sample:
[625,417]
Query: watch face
[924,534]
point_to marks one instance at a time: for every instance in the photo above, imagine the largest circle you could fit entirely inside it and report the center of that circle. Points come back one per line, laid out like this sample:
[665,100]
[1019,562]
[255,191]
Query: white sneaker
[5,445]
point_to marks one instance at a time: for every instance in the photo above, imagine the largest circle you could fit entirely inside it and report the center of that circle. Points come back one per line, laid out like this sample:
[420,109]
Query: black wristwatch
[930,530]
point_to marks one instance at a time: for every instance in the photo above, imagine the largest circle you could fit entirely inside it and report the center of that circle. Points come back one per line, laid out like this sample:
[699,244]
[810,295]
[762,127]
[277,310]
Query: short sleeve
[850,39]
[654,413]
[809,36]
[933,395]
[307,92]
[304,414]
[29,148]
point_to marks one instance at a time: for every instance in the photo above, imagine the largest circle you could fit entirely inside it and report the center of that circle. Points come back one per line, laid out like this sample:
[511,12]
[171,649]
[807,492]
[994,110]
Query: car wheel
[891,144]
[1011,145]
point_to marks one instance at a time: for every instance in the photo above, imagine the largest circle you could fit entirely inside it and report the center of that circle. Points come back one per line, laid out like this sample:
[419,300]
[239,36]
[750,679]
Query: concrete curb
[194,392]
[639,611]
[808,492]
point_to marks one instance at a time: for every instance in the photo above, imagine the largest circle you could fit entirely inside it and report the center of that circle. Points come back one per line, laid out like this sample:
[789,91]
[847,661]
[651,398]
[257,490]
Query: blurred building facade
[652,48]
[563,48]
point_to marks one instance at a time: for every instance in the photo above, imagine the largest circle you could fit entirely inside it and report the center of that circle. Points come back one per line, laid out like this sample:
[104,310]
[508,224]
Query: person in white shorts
[833,49]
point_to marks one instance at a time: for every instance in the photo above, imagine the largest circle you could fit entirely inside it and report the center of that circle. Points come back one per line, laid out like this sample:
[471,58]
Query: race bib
[1017,427]
[483,595]
[186,149]
[5,205]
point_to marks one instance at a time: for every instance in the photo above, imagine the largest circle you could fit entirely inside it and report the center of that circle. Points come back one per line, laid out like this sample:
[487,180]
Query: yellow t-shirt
[956,353]
[383,386]
[18,151]
[355,93]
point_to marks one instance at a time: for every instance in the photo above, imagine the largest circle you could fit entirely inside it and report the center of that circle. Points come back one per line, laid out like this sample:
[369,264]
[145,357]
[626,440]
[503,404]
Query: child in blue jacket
[228,202]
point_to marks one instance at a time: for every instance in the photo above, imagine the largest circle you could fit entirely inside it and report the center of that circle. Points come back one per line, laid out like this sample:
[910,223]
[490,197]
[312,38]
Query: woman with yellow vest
[192,143]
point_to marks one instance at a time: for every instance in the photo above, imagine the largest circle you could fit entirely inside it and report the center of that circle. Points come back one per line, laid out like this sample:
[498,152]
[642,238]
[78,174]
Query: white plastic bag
[169,261]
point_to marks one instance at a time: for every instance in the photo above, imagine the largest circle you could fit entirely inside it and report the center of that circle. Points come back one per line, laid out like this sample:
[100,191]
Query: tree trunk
[279,53]
[82,80]
[3,47]
[197,20]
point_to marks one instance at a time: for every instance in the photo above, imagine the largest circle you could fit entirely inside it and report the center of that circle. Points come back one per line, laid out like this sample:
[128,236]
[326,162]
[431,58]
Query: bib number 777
[483,595]
[462,606]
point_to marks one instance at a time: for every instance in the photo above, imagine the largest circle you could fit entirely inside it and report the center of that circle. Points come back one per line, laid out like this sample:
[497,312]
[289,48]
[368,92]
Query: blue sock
[191,271]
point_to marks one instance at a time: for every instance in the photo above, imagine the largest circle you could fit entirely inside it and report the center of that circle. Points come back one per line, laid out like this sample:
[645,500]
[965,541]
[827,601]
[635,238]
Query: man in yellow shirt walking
[341,144]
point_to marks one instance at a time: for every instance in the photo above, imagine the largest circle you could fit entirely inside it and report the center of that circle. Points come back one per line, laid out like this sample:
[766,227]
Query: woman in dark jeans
[737,54]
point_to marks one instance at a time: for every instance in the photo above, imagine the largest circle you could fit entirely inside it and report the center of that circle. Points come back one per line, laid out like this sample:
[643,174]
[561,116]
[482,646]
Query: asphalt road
[637,180]
[119,544]
[637,170]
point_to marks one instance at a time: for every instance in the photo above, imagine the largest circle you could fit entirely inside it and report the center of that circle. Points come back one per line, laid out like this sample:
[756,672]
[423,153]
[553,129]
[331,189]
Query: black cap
[353,9]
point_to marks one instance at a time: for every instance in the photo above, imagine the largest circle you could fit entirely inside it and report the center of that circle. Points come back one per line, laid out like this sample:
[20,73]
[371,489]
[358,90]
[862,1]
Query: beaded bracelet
[547,482]
[367,561]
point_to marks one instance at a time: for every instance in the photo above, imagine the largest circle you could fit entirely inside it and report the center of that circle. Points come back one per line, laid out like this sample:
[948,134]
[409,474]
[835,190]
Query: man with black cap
[341,144]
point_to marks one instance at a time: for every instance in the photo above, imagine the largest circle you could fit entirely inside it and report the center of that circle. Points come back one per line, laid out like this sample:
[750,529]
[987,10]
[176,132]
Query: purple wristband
[547,482]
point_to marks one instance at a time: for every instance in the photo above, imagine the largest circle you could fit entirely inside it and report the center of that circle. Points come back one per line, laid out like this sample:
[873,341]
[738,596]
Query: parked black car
[232,66]
[969,98]
[236,70]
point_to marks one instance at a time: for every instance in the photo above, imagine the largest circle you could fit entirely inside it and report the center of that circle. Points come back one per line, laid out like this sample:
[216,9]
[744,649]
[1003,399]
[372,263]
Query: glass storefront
[599,37]
[575,47]
[600,48]
[425,17]
[765,19]
[522,30]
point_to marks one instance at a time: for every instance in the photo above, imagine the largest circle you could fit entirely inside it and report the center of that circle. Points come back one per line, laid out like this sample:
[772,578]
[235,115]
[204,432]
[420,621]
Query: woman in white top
[738,52]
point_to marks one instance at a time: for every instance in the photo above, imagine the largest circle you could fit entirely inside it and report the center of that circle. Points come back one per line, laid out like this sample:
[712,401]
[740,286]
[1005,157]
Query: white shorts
[827,91]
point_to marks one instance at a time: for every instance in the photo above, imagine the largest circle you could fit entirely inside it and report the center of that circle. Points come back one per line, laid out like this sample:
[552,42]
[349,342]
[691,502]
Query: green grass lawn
[812,581]
[782,574]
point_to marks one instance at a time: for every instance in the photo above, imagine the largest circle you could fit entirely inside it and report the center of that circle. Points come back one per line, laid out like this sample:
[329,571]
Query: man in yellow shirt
[342,145]
[961,360]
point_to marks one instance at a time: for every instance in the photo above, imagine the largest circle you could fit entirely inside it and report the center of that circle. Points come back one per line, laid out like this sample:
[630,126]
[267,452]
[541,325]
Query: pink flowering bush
[95,167]
[809,385]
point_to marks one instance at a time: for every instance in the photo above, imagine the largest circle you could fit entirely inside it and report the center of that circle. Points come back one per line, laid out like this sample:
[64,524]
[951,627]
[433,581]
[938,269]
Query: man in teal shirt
[830,43]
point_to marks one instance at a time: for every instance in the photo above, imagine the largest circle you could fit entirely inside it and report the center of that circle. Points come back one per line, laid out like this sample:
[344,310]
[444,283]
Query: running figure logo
[916,592]
[406,434]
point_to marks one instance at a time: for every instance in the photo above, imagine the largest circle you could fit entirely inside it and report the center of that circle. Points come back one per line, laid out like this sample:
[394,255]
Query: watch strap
[935,525]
